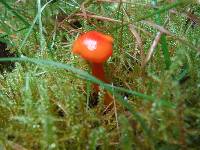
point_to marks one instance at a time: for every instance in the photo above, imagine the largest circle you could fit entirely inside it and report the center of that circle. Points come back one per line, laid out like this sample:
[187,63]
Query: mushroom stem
[98,72]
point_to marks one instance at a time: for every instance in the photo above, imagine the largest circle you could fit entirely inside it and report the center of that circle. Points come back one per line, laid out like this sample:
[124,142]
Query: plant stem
[98,72]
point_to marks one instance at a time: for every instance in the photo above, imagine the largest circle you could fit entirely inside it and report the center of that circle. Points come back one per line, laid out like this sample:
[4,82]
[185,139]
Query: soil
[4,52]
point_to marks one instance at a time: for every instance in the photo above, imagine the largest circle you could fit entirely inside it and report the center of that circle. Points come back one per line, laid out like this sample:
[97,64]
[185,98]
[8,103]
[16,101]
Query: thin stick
[115,110]
[152,48]
[156,26]
[99,17]
[83,10]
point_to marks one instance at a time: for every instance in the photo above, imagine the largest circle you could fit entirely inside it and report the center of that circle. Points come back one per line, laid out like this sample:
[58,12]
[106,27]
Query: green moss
[43,98]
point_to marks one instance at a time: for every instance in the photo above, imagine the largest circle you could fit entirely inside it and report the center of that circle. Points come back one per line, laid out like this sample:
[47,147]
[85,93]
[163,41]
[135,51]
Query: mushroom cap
[93,46]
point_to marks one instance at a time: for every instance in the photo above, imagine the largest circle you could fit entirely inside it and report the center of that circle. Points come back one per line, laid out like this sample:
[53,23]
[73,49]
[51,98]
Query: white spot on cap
[91,44]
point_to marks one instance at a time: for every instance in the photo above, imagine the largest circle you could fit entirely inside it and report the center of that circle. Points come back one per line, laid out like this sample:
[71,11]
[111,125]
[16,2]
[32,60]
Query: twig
[83,10]
[99,17]
[110,105]
[116,115]
[156,26]
[152,48]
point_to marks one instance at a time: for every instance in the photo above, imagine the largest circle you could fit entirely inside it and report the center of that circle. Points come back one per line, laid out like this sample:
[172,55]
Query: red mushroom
[96,48]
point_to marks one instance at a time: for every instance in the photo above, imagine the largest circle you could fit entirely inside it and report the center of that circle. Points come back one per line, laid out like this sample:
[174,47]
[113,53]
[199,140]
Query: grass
[44,98]
[163,39]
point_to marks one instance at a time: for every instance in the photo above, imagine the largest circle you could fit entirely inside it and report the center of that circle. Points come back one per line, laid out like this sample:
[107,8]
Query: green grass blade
[85,75]
[165,51]
[15,13]
[42,40]
[31,27]
[14,32]
[163,9]
[163,39]
[89,77]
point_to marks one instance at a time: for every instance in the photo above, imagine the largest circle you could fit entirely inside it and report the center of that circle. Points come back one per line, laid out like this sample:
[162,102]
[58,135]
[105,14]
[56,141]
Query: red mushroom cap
[93,46]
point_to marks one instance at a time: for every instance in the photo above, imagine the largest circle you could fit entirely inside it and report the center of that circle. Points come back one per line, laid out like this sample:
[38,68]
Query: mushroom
[96,48]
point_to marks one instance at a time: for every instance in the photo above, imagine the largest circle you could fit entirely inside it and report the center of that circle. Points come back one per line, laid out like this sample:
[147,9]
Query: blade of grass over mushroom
[164,9]
[85,75]
[162,102]
[15,13]
[163,39]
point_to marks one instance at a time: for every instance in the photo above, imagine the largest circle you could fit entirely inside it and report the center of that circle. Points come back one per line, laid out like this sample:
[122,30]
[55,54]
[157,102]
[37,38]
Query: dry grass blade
[156,26]
[98,17]
[116,114]
[83,10]
[139,42]
[152,48]
[163,30]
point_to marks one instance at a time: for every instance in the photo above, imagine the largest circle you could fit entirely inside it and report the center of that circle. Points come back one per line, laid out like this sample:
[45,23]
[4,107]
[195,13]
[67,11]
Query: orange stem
[98,72]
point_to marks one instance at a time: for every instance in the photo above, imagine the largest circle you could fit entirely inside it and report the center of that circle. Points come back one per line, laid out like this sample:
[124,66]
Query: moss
[43,101]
